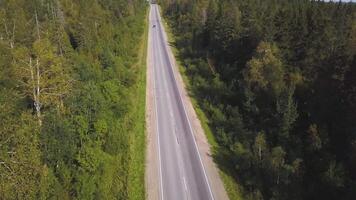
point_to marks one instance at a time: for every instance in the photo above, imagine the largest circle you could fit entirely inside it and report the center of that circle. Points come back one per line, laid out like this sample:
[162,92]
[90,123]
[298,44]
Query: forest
[277,82]
[72,90]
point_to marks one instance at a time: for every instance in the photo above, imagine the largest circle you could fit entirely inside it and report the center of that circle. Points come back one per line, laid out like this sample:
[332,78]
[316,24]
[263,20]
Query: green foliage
[20,163]
[68,81]
[265,70]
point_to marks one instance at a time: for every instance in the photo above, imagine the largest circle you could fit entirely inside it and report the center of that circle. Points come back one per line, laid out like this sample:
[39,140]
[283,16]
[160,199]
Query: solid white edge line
[185,112]
[156,113]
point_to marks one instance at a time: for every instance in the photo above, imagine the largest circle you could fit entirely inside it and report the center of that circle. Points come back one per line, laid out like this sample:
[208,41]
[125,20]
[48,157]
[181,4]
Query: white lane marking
[175,133]
[186,188]
[181,99]
[156,113]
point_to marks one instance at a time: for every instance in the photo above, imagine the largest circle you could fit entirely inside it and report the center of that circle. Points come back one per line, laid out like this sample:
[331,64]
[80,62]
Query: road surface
[181,170]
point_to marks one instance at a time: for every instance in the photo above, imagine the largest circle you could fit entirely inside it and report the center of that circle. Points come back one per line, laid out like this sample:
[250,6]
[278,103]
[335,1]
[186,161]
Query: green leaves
[67,81]
[53,75]
[19,156]
[260,146]
[265,70]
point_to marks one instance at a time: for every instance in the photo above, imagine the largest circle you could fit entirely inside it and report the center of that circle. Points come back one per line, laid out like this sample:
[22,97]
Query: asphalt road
[181,171]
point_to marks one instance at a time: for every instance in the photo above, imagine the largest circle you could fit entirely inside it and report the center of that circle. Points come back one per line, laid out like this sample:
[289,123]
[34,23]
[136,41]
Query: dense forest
[277,81]
[71,90]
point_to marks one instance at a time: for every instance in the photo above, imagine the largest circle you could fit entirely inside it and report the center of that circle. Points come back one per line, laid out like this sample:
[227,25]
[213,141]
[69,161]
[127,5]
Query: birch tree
[260,146]
[42,76]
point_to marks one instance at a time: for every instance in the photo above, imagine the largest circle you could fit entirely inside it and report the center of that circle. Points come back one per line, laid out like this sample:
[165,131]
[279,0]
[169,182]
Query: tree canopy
[69,81]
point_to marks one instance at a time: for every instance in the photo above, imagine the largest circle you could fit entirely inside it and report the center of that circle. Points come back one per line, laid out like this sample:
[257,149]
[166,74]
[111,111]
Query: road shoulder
[152,181]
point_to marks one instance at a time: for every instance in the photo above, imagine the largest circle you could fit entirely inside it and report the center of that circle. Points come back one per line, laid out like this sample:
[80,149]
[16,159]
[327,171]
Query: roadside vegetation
[276,83]
[72,87]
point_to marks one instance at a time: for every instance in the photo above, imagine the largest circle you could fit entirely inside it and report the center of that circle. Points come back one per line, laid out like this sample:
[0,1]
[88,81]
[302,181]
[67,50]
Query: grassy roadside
[136,177]
[231,187]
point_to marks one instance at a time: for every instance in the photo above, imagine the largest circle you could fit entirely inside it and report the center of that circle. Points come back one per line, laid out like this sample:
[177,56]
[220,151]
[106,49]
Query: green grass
[136,177]
[232,188]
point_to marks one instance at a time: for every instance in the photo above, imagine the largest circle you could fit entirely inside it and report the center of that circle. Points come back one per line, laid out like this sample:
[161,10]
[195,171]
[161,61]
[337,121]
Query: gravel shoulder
[151,174]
